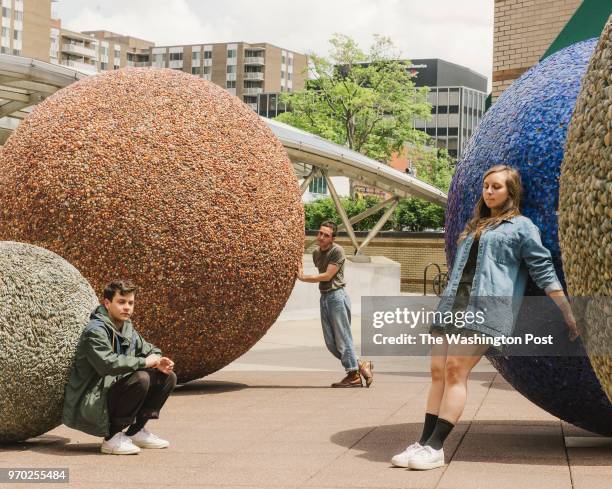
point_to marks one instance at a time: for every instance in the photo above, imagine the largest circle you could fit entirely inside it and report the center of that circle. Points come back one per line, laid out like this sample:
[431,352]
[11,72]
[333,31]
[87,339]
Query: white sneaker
[119,444]
[144,439]
[427,458]
[402,459]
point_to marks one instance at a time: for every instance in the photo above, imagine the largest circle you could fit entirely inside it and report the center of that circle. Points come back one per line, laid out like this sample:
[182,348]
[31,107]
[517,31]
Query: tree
[365,101]
[368,102]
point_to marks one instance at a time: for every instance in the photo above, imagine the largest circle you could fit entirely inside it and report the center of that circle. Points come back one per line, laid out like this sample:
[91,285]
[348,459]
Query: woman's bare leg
[460,361]
[436,389]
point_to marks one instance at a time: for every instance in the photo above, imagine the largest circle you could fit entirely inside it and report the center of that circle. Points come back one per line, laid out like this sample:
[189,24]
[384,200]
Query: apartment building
[245,70]
[118,51]
[523,31]
[26,26]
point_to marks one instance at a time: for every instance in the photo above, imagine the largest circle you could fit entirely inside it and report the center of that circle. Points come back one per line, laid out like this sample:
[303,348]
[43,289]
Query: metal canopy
[25,82]
[307,150]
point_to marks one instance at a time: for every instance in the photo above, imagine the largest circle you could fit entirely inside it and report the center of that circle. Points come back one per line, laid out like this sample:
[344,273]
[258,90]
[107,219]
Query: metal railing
[253,76]
[438,282]
[254,60]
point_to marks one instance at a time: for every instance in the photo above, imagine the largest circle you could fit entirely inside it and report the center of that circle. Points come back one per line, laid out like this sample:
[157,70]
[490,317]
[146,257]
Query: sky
[460,31]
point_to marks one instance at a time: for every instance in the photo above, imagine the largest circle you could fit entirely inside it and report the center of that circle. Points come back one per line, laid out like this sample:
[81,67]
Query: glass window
[195,56]
[318,185]
[232,53]
[176,56]
[231,68]
[442,96]
[431,131]
[17,35]
[18,15]
[206,70]
[453,109]
[453,131]
[289,76]
[104,66]
[6,12]
[441,131]
[195,70]
[442,109]
[282,75]
[207,54]
[230,84]
[283,60]
[5,32]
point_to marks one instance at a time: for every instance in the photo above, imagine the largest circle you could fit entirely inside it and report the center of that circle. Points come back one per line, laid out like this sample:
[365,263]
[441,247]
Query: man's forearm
[313,279]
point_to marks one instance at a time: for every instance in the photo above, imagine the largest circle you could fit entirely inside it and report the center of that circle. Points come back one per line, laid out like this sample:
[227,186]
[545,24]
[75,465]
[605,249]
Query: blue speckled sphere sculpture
[526,128]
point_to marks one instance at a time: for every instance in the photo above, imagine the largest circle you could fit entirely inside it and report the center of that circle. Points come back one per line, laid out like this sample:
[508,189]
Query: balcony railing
[253,76]
[254,60]
[80,50]
[85,67]
[252,91]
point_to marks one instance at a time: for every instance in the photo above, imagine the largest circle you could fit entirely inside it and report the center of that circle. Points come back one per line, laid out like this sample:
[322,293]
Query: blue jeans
[336,322]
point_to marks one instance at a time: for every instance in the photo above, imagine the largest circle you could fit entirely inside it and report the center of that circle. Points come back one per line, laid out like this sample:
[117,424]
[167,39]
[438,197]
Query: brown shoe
[367,370]
[352,379]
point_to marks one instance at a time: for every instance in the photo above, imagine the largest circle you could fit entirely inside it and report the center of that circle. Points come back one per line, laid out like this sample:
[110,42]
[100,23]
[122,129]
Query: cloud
[460,32]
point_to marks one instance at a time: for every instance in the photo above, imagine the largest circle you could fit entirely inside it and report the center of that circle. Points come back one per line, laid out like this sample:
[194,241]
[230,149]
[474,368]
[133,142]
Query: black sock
[428,427]
[440,432]
[136,427]
[112,431]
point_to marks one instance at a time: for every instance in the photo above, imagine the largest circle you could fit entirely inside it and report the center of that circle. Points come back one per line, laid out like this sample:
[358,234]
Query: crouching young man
[118,380]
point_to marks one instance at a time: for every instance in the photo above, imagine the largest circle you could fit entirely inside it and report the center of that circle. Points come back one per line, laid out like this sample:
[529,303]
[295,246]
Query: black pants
[136,398]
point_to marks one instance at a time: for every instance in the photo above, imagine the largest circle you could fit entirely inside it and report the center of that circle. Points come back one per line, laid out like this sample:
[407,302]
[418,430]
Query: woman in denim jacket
[498,248]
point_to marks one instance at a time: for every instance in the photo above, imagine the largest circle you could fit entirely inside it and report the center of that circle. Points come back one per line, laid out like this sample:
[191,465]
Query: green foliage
[365,101]
[411,214]
[323,209]
[368,102]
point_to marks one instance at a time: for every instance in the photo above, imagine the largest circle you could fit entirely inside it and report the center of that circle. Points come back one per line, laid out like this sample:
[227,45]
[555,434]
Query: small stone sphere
[526,128]
[44,305]
[585,207]
[168,180]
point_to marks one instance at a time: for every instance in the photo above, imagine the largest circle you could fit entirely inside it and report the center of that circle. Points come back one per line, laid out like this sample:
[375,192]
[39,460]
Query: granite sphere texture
[585,206]
[168,180]
[526,128]
[44,305]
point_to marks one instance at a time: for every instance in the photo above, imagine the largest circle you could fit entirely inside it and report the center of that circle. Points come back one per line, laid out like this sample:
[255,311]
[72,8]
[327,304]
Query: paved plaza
[269,420]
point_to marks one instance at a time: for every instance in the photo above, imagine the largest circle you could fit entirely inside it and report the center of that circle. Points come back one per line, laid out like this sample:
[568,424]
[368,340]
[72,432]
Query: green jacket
[103,356]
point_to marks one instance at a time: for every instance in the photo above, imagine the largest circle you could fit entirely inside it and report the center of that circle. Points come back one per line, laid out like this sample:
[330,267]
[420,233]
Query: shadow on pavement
[207,387]
[491,441]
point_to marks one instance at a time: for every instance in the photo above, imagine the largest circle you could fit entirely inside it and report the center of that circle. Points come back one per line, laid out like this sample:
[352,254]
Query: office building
[457,96]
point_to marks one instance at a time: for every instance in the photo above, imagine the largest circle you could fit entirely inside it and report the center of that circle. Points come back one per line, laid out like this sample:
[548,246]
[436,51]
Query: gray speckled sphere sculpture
[585,206]
[526,128]
[166,179]
[44,305]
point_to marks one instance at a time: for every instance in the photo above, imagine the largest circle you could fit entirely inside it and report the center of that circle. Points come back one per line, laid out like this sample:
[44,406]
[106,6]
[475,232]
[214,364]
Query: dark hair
[332,225]
[481,217]
[124,287]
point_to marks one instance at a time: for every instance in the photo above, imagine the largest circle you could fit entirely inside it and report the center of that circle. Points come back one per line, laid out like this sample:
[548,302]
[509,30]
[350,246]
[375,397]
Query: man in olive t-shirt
[335,306]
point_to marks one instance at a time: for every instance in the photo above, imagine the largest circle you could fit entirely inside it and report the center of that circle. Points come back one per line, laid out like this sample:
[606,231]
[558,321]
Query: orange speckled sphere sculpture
[168,180]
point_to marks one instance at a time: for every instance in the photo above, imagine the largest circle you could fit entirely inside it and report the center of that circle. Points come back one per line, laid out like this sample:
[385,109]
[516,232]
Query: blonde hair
[482,218]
